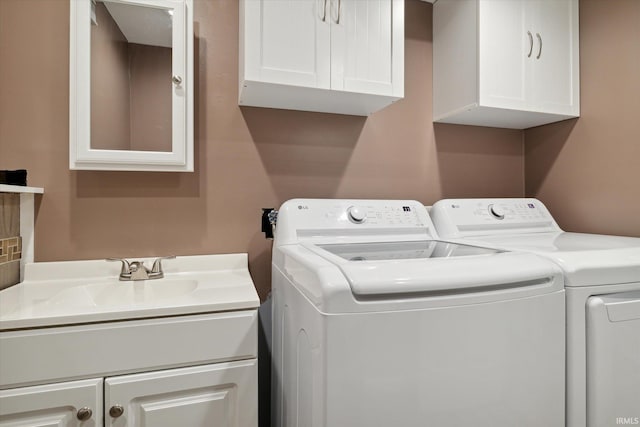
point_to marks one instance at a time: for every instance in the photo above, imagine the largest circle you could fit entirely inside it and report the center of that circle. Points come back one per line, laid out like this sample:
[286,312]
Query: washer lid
[382,251]
[587,259]
[426,267]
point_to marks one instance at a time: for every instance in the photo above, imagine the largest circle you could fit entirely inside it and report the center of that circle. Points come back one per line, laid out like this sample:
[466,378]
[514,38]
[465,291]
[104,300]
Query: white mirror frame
[81,155]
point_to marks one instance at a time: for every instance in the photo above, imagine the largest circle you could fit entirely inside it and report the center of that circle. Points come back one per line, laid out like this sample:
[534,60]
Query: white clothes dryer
[602,280]
[376,323]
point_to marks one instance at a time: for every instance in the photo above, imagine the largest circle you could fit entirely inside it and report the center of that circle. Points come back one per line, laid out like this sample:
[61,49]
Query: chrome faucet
[136,270]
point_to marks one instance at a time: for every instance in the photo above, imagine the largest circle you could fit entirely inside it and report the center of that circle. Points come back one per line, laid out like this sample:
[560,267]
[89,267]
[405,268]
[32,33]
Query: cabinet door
[367,46]
[221,395]
[555,71]
[286,42]
[52,405]
[504,46]
[93,141]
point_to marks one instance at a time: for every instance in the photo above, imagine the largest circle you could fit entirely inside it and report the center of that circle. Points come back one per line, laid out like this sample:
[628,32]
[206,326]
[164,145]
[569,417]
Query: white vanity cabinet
[512,64]
[217,394]
[223,393]
[336,56]
[175,351]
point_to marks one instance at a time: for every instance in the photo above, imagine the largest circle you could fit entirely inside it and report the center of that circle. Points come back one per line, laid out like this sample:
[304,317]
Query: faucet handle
[126,267]
[156,269]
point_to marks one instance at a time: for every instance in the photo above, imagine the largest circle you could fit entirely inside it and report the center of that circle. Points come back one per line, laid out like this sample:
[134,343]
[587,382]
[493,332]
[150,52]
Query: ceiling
[142,24]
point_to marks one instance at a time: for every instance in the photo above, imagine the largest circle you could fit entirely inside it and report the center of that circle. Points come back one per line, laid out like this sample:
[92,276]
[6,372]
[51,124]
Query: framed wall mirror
[131,85]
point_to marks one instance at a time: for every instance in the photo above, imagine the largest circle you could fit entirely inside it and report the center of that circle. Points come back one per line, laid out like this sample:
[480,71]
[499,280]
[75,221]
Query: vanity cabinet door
[69,404]
[222,394]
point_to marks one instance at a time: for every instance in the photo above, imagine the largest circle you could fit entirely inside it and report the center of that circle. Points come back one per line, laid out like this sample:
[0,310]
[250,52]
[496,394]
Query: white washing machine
[376,323]
[602,279]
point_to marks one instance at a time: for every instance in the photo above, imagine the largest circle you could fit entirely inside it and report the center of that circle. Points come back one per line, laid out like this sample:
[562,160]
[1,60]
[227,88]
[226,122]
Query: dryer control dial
[496,211]
[357,214]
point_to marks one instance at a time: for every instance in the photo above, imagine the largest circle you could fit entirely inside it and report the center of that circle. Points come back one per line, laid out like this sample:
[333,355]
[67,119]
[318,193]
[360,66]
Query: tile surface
[10,254]
[9,215]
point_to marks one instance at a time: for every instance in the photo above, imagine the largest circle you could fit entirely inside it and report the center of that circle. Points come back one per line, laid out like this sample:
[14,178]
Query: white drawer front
[85,351]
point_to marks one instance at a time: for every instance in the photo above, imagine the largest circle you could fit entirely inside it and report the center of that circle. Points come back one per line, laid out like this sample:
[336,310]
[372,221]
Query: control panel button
[496,211]
[357,214]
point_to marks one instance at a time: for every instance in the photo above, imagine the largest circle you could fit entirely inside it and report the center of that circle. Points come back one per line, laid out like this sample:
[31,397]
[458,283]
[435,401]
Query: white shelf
[27,218]
[4,188]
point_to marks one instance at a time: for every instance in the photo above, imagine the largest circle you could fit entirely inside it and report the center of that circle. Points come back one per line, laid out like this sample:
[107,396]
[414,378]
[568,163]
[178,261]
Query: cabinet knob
[116,410]
[84,413]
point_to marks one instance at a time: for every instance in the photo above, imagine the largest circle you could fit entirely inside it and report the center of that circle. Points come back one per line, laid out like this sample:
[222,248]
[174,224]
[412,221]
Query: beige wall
[587,171]
[245,158]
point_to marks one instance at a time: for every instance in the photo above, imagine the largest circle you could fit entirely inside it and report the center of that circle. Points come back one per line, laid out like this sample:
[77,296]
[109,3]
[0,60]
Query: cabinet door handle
[540,43]
[338,16]
[530,43]
[324,10]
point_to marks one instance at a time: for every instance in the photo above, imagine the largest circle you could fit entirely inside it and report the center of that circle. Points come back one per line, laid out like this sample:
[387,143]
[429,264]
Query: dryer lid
[587,259]
[527,225]
[563,242]
[432,267]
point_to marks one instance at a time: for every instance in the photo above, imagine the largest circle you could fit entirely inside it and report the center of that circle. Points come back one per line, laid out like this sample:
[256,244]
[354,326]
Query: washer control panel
[468,217]
[366,220]
[386,215]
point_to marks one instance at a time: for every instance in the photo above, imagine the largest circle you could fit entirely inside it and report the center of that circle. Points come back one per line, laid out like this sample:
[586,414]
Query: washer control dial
[357,214]
[496,211]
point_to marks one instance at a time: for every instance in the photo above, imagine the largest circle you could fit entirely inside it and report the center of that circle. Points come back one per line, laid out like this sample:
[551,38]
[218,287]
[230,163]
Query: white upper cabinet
[335,56]
[505,63]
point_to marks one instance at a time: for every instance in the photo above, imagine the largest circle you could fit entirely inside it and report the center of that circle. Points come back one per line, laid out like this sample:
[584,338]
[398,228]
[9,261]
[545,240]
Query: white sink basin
[89,291]
[118,293]
[139,292]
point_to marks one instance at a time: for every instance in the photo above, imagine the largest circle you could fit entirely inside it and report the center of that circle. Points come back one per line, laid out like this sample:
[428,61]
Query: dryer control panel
[455,218]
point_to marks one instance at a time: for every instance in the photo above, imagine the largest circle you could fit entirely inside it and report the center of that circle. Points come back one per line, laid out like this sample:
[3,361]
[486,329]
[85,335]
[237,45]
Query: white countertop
[74,292]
